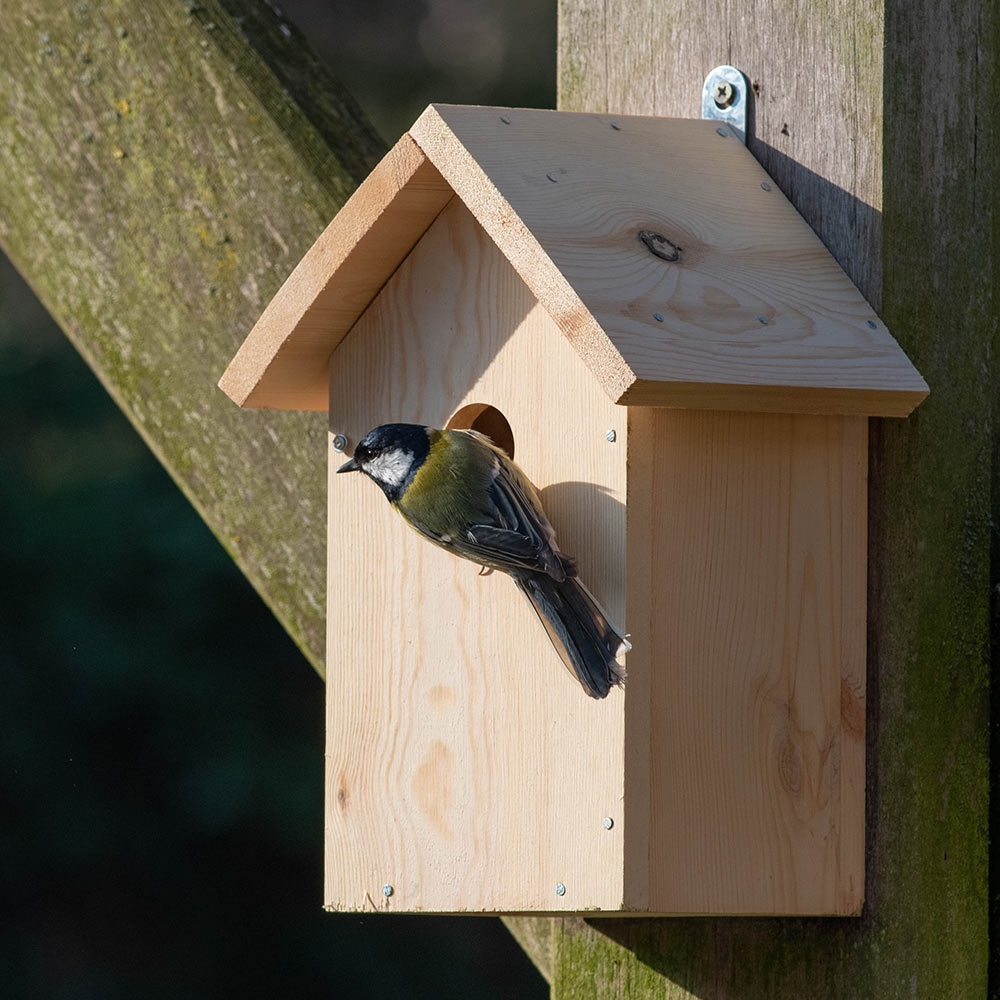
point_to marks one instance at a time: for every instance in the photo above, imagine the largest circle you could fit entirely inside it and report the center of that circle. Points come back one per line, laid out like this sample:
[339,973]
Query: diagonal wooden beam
[163,166]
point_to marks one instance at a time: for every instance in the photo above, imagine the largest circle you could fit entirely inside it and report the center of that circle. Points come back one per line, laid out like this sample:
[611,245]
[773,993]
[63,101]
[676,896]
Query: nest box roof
[660,248]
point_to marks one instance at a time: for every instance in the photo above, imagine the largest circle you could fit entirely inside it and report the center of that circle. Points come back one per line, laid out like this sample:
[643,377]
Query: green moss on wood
[922,242]
[161,177]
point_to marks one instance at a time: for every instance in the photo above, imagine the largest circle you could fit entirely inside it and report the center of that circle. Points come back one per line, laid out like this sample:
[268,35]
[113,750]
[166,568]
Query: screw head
[608,822]
[560,889]
[724,94]
[764,186]
[339,442]
[873,324]
[387,890]
[722,132]
[611,436]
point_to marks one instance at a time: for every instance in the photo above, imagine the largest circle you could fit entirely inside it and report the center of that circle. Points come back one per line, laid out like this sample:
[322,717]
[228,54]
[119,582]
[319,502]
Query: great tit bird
[460,491]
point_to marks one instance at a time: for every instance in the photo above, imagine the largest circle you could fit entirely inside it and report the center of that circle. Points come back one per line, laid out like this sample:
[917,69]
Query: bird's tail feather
[579,629]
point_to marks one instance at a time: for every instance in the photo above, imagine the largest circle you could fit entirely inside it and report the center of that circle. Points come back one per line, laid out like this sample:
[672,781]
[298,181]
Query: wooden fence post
[871,118]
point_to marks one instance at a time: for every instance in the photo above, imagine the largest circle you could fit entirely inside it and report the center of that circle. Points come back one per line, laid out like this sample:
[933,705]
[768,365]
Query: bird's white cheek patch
[391,467]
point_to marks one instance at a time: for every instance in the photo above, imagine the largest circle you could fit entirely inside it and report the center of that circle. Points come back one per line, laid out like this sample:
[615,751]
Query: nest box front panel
[466,769]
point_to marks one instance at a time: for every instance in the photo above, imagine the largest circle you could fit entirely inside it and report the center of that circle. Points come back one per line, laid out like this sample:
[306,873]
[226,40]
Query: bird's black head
[391,455]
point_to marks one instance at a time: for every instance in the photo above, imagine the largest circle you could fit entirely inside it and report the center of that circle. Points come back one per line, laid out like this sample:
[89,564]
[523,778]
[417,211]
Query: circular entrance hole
[487,420]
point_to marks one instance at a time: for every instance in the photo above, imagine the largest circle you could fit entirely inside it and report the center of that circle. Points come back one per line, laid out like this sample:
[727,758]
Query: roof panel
[743,307]
[284,362]
[753,299]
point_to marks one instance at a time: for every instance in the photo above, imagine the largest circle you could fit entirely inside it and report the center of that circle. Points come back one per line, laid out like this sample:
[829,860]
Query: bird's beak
[350,466]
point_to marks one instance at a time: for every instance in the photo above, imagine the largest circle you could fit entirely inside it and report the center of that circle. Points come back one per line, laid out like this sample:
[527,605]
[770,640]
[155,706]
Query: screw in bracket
[724,99]
[724,94]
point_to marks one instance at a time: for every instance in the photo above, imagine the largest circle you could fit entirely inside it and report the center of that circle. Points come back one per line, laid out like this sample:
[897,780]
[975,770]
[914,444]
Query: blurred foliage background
[162,738]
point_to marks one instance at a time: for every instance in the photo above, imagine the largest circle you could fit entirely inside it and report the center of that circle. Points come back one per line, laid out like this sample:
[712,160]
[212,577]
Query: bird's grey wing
[510,533]
[492,546]
[518,533]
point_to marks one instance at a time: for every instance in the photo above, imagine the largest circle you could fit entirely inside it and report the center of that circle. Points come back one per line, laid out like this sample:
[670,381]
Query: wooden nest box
[633,308]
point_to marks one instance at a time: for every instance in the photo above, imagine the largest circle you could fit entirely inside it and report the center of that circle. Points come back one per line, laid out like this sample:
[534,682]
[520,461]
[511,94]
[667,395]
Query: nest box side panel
[466,768]
[757,552]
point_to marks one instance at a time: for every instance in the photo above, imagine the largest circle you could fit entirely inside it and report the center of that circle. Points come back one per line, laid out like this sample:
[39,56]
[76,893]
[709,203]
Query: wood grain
[284,362]
[734,783]
[753,314]
[754,305]
[158,181]
[465,766]
[755,525]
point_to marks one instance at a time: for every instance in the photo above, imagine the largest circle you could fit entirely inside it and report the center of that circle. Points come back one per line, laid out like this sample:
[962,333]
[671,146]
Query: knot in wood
[659,246]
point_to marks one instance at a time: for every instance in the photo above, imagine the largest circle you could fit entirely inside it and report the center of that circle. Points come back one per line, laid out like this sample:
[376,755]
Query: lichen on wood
[163,167]
[895,170]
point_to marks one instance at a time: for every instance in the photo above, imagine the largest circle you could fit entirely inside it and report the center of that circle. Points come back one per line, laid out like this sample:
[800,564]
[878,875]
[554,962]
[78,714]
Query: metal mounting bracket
[724,99]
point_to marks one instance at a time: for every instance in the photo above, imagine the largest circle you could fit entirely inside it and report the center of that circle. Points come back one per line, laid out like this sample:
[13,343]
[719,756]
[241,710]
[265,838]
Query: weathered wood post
[870,116]
[162,167]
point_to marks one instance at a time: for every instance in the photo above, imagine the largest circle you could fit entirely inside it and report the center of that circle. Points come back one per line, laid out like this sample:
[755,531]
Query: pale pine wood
[465,767]
[565,196]
[754,526]
[284,362]
[644,661]
[850,92]
[754,315]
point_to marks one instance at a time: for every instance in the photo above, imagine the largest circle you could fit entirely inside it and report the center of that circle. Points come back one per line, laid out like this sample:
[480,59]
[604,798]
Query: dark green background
[162,744]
